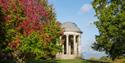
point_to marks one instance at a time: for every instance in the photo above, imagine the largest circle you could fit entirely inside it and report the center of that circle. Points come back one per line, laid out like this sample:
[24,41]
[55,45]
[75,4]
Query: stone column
[78,45]
[77,40]
[67,47]
[69,50]
[74,44]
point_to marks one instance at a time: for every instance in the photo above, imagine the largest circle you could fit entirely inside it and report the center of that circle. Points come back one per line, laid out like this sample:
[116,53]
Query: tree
[30,29]
[111,26]
[11,18]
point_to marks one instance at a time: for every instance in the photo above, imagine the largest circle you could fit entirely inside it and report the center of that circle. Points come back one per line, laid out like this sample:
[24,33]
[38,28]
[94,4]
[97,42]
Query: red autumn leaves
[28,16]
[15,43]
[33,11]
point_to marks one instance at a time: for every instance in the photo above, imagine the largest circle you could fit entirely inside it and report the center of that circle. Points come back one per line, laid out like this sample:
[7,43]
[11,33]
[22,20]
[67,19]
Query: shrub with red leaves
[33,11]
[22,18]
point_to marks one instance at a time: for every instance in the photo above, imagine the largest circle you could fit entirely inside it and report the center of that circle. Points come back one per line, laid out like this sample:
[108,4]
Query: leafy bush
[28,30]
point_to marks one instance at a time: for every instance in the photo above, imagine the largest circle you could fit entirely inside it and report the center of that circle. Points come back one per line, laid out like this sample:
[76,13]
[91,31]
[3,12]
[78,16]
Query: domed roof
[70,27]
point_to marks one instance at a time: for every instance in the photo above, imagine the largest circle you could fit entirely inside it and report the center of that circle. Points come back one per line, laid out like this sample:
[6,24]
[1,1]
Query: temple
[70,41]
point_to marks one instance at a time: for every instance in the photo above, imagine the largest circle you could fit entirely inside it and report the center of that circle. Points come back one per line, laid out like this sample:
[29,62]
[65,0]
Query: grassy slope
[79,61]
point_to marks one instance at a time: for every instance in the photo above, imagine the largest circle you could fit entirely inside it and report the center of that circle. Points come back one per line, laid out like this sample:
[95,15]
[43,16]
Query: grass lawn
[61,61]
[79,61]
[72,61]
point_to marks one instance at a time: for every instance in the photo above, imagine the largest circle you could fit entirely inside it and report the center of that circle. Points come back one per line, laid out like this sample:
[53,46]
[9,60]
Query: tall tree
[30,29]
[111,26]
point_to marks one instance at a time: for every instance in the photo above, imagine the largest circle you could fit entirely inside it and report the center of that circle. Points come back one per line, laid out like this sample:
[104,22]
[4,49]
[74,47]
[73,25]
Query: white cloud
[86,8]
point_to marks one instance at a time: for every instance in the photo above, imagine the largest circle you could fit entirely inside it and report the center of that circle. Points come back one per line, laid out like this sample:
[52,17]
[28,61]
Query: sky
[81,13]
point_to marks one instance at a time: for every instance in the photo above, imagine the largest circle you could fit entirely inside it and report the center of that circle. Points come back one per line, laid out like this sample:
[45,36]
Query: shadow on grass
[43,61]
[31,61]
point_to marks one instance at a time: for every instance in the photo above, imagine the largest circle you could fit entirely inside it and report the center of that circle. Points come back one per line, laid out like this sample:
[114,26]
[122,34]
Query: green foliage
[32,44]
[8,32]
[33,47]
[111,26]
[38,44]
